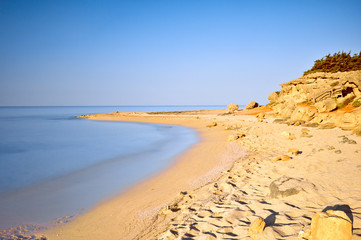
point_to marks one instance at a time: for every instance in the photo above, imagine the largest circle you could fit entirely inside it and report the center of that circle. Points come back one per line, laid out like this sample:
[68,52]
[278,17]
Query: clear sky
[186,52]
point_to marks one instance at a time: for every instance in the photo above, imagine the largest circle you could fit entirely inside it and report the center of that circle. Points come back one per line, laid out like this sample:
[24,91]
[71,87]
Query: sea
[54,165]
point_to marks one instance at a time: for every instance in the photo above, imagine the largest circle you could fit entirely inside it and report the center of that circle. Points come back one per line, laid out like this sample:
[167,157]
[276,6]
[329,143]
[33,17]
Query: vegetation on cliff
[338,62]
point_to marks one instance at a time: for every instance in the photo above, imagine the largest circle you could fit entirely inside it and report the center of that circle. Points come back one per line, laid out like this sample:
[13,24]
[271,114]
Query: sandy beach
[216,189]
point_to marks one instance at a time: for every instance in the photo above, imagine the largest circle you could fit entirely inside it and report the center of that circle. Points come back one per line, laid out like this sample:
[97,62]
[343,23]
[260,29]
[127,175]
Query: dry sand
[218,187]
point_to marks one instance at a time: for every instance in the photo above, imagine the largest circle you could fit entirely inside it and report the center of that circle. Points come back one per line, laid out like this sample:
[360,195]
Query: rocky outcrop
[316,87]
[314,97]
[252,105]
[331,225]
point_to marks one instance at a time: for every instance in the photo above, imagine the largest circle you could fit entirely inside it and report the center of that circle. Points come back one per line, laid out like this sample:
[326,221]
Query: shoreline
[323,173]
[160,190]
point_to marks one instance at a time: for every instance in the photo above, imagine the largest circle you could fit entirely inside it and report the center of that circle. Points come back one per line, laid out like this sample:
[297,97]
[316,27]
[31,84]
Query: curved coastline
[128,215]
[65,196]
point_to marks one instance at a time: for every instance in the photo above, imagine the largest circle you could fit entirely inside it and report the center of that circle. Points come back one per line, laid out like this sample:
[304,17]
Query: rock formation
[315,97]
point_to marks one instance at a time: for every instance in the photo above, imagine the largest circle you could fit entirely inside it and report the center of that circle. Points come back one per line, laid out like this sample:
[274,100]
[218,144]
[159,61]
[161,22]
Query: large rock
[286,186]
[327,105]
[232,108]
[331,225]
[252,105]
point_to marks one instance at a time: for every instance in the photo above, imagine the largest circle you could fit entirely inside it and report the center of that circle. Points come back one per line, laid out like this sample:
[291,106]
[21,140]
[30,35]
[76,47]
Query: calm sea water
[53,164]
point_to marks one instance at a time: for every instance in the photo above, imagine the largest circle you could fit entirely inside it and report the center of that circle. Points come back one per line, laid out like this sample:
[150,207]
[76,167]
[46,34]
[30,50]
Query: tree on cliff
[338,62]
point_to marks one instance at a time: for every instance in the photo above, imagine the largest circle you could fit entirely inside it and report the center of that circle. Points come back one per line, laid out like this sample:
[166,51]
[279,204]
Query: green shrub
[357,103]
[338,62]
[340,105]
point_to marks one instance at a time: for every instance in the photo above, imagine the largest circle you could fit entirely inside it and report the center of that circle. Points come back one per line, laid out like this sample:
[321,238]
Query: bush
[338,62]
[357,103]
[340,105]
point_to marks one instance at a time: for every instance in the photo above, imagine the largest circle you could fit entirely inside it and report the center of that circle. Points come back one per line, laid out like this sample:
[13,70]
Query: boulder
[232,108]
[256,228]
[327,105]
[287,186]
[252,105]
[331,225]
[273,97]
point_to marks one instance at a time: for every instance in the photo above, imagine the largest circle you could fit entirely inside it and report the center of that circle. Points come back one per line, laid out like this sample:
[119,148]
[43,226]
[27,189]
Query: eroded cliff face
[332,98]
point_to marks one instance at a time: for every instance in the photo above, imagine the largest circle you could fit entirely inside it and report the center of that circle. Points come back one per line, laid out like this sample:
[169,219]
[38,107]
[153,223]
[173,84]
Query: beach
[217,188]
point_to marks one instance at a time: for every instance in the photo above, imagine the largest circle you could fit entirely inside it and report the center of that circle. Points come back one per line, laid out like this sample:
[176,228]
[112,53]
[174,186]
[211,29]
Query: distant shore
[222,184]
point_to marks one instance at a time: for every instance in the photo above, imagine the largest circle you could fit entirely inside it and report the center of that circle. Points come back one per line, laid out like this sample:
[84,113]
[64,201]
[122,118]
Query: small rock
[338,151]
[252,105]
[279,158]
[174,208]
[313,125]
[331,225]
[288,135]
[294,151]
[256,228]
[213,124]
[232,137]
[305,130]
[306,135]
[285,158]
[327,126]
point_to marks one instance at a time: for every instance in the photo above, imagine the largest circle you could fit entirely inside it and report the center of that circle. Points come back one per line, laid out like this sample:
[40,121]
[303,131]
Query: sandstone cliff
[323,98]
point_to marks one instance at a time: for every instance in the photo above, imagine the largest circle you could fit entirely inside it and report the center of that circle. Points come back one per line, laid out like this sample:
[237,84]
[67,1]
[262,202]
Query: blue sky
[164,52]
